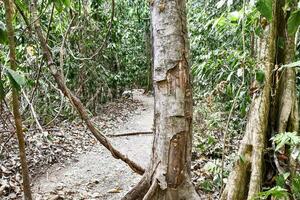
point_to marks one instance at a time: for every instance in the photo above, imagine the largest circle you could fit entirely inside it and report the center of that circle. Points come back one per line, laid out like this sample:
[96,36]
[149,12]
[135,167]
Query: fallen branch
[76,103]
[130,134]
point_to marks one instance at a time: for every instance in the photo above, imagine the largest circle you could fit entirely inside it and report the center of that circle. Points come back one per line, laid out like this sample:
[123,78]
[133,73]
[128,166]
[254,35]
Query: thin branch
[29,25]
[75,101]
[60,109]
[33,112]
[23,16]
[61,52]
[50,22]
[16,101]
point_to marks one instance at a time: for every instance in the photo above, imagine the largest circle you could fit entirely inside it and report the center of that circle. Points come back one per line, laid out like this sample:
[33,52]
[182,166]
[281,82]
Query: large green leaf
[67,3]
[294,22]
[3,33]
[265,8]
[15,78]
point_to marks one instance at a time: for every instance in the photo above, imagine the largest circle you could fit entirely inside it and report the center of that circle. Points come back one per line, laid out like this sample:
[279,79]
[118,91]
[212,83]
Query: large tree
[274,108]
[168,176]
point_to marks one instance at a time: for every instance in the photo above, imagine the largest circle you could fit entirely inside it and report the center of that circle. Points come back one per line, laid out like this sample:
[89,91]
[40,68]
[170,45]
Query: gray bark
[173,102]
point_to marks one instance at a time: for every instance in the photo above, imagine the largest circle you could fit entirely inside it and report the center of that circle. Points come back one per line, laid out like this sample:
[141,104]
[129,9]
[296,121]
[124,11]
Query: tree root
[138,191]
[151,190]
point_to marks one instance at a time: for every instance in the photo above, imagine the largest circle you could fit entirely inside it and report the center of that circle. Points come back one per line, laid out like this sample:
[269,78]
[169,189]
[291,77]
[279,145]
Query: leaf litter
[64,141]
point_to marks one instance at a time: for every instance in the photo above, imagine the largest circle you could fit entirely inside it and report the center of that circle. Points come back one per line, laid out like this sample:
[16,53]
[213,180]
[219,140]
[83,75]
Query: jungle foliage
[104,48]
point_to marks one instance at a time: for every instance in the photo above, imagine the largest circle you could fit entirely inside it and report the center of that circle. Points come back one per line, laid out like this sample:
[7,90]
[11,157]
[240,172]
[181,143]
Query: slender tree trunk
[15,100]
[168,176]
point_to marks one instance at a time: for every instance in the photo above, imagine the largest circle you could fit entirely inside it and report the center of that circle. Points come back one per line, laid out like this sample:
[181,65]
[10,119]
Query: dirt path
[96,174]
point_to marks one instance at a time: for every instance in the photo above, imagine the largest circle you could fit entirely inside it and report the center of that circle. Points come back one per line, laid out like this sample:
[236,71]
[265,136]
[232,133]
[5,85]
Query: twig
[23,16]
[60,108]
[37,82]
[93,97]
[33,112]
[61,51]
[51,19]
[29,25]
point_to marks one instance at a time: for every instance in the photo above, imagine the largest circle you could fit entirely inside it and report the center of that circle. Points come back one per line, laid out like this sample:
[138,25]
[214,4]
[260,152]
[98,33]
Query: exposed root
[240,175]
[151,191]
[138,191]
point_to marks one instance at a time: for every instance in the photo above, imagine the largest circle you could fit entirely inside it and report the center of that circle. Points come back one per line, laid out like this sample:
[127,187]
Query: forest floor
[66,162]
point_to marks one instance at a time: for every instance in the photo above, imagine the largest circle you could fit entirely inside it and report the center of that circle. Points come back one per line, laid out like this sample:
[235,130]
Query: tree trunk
[15,100]
[274,110]
[287,116]
[168,176]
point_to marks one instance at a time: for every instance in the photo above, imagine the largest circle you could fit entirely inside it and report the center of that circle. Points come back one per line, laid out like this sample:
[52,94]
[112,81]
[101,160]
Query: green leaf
[16,78]
[294,22]
[221,21]
[277,192]
[296,186]
[67,3]
[287,138]
[3,33]
[265,8]
[242,159]
[60,4]
[234,16]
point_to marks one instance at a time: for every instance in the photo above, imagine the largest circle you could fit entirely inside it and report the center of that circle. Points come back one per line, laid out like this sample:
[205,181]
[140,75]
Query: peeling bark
[169,171]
